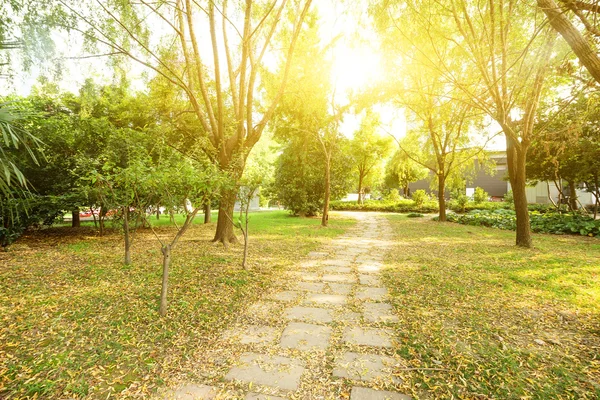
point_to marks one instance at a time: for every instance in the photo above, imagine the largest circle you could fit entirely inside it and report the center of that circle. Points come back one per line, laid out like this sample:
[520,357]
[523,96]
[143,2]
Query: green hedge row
[545,223]
[402,206]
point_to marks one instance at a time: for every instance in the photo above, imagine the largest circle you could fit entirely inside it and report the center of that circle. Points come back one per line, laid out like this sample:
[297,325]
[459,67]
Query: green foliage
[419,197]
[299,182]
[402,206]
[543,223]
[508,198]
[393,196]
[459,203]
[17,214]
[480,195]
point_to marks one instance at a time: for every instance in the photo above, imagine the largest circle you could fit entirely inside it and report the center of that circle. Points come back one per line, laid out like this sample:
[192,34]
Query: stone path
[327,333]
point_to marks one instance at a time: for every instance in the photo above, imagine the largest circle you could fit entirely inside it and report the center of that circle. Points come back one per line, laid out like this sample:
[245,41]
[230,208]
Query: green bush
[544,223]
[402,206]
[508,198]
[457,206]
[393,196]
[480,195]
[415,215]
[419,197]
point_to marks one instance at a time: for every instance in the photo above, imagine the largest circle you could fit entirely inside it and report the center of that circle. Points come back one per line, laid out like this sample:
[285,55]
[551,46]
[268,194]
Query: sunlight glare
[354,68]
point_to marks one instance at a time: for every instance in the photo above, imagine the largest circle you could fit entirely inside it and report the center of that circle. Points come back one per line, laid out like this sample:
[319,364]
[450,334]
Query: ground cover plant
[556,223]
[484,319]
[75,322]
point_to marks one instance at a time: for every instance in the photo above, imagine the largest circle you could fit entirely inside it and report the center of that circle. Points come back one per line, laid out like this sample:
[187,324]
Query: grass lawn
[75,322]
[484,319]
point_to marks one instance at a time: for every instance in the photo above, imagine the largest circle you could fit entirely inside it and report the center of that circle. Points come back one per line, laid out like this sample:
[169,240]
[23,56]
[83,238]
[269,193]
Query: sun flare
[355,68]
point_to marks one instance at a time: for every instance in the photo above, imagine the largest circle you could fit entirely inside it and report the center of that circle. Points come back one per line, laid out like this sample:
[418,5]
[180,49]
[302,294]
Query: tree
[505,52]
[220,78]
[569,19]
[401,171]
[298,181]
[369,150]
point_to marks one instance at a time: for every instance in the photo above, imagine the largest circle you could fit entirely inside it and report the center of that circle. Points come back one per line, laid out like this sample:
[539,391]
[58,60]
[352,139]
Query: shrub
[415,215]
[543,223]
[461,202]
[508,197]
[402,206]
[393,196]
[480,195]
[419,197]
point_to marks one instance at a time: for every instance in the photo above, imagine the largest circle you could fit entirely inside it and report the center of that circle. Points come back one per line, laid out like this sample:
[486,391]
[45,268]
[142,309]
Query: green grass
[75,322]
[476,306]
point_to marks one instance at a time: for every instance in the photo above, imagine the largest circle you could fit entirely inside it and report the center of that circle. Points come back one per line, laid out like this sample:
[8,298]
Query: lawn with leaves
[483,319]
[75,322]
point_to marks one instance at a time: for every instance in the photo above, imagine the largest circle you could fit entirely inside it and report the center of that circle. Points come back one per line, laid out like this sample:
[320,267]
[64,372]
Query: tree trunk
[157,211]
[586,54]
[127,238]
[442,197]
[166,250]
[207,212]
[360,188]
[75,221]
[325,218]
[406,191]
[101,216]
[516,160]
[94,217]
[597,195]
[572,196]
[225,233]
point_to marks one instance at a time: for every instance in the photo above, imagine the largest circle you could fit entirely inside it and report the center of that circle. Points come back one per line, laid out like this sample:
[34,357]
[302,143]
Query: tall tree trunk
[157,211]
[225,233]
[406,191]
[127,237]
[360,188]
[207,212]
[597,195]
[101,216]
[166,250]
[75,220]
[572,196]
[442,197]
[516,160]
[325,217]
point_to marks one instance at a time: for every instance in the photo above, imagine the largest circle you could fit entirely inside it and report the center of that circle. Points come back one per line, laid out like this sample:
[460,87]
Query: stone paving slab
[317,254]
[311,286]
[274,371]
[337,270]
[308,277]
[340,288]
[372,293]
[286,295]
[379,312]
[194,392]
[309,314]
[302,336]
[368,336]
[365,367]
[260,396]
[369,280]
[308,264]
[339,278]
[326,299]
[370,268]
[360,393]
[337,263]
